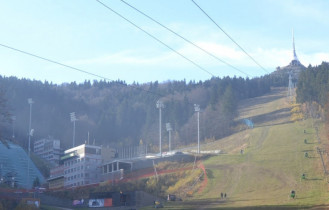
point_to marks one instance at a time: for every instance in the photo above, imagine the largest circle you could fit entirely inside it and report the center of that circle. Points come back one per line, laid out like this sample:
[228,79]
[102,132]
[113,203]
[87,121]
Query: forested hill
[117,114]
[313,85]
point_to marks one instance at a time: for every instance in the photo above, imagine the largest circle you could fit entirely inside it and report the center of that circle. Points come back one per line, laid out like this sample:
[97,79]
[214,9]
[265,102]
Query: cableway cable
[230,37]
[185,39]
[76,69]
[189,60]
[82,71]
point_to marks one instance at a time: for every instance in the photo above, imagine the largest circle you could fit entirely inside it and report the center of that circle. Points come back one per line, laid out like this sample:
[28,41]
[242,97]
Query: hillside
[119,114]
[271,165]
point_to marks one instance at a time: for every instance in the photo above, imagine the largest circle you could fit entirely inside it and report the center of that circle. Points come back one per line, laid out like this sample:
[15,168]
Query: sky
[88,36]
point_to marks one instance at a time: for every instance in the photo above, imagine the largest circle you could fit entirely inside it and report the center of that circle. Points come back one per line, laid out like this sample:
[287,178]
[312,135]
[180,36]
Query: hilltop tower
[294,67]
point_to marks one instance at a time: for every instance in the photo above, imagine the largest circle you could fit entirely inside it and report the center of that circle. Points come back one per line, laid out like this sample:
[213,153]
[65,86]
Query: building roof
[81,146]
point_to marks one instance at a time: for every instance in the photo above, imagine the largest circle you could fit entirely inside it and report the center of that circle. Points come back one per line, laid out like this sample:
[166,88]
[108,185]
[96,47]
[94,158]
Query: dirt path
[160,172]
[205,180]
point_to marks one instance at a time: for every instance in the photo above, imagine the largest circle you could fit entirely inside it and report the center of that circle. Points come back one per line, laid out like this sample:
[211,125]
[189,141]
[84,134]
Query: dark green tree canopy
[115,113]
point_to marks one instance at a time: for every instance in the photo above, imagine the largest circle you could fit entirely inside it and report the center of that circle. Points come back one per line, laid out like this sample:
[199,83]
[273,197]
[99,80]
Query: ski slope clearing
[271,164]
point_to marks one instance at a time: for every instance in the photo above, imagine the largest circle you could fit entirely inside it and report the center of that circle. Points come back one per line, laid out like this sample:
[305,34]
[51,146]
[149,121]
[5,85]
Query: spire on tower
[293,46]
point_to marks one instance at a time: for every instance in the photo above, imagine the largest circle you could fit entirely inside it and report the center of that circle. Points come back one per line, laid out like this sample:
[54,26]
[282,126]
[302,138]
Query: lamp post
[169,129]
[73,119]
[13,119]
[160,105]
[30,102]
[197,109]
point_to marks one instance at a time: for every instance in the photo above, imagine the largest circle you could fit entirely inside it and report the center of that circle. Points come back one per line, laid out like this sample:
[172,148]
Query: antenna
[293,46]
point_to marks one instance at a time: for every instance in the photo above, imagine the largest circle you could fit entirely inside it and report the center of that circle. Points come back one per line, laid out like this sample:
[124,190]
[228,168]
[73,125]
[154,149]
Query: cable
[76,69]
[81,71]
[230,37]
[156,38]
[185,39]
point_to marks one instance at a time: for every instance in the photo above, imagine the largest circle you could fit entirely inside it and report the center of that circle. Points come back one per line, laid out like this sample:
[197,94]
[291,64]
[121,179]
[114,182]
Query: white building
[81,165]
[48,149]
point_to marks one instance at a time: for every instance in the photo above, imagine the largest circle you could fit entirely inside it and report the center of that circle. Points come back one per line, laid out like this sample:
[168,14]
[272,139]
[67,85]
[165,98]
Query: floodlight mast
[73,119]
[169,129]
[13,119]
[160,105]
[30,133]
[197,109]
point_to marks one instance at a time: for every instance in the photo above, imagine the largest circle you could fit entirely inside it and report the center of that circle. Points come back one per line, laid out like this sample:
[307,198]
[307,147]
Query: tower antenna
[293,46]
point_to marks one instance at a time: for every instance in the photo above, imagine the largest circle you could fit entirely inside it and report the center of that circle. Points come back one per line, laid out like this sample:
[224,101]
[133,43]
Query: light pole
[169,129]
[73,119]
[160,105]
[197,109]
[30,102]
[13,119]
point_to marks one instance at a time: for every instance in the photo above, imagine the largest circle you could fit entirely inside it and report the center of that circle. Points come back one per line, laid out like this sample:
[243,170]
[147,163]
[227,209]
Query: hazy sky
[86,35]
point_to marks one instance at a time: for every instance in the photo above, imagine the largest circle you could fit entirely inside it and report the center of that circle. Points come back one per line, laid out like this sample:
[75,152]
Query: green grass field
[271,165]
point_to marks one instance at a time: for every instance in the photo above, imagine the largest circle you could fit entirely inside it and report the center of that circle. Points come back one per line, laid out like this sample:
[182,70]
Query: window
[91,151]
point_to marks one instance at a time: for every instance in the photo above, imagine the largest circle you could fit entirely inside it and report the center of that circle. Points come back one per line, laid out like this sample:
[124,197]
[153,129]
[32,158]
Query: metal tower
[290,89]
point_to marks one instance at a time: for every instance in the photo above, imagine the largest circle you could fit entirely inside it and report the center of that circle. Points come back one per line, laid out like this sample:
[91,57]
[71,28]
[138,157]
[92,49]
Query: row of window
[77,176]
[78,160]
[108,168]
[71,170]
[77,184]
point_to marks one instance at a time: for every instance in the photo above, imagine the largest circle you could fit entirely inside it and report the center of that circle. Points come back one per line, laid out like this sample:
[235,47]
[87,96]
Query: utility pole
[13,119]
[169,129]
[197,109]
[30,133]
[160,105]
[73,119]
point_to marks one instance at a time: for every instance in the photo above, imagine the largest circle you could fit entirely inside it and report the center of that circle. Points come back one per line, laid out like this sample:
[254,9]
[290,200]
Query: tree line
[313,84]
[118,114]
